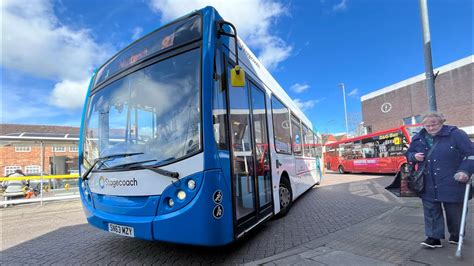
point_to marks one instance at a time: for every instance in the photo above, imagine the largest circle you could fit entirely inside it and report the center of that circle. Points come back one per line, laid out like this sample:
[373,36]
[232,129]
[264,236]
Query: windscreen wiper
[154,168]
[105,158]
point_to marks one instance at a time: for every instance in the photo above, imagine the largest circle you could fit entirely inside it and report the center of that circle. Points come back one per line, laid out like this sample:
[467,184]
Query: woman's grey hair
[434,114]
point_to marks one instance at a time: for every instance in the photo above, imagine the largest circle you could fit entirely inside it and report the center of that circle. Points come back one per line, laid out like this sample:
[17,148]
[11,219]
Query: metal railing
[41,188]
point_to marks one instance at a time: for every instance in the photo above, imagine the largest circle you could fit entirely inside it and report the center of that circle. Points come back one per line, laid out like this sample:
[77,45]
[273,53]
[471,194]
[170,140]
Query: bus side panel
[306,174]
[384,165]
[348,165]
[197,223]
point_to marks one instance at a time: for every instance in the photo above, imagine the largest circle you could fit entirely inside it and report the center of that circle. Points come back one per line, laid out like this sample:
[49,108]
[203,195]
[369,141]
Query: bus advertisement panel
[380,152]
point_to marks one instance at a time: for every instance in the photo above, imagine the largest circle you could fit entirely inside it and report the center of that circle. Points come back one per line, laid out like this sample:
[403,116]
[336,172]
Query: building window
[412,120]
[417,119]
[407,120]
[32,169]
[22,148]
[59,149]
[73,148]
[11,169]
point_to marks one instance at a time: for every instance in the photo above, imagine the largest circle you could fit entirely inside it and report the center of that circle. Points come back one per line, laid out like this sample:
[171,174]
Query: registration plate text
[121,230]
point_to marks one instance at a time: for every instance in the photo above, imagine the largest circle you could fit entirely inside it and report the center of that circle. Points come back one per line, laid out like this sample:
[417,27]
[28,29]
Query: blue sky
[50,48]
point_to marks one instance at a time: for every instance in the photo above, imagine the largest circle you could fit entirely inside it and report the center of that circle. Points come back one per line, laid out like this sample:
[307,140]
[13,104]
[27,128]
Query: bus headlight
[87,195]
[191,184]
[170,202]
[181,195]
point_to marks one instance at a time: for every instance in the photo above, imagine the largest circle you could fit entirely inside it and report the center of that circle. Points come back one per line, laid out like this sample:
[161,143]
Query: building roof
[38,131]
[421,77]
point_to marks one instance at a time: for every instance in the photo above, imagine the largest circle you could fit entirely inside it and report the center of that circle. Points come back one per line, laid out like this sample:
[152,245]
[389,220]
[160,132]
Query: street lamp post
[430,77]
[345,110]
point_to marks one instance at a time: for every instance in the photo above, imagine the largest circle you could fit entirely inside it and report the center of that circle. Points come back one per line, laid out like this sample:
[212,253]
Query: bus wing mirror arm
[237,76]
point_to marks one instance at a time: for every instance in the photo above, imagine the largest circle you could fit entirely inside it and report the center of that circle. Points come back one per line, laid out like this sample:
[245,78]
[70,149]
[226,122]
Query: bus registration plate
[121,230]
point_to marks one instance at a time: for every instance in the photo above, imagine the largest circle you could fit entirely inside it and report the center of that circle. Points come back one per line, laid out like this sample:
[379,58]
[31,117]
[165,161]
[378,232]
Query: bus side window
[368,148]
[296,136]
[281,127]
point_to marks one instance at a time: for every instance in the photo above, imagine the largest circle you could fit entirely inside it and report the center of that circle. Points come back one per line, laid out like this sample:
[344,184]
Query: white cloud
[36,43]
[304,105]
[353,92]
[253,18]
[298,88]
[69,94]
[341,6]
[137,33]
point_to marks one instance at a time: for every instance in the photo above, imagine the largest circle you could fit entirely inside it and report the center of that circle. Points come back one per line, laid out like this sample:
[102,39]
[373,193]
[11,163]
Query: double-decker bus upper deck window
[281,127]
[163,39]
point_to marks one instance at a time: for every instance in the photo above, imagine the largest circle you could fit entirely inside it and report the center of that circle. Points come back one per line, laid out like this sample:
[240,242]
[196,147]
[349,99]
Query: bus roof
[371,135]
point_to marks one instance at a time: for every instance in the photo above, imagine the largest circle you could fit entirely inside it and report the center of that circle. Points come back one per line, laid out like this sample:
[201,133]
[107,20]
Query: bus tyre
[286,197]
[341,169]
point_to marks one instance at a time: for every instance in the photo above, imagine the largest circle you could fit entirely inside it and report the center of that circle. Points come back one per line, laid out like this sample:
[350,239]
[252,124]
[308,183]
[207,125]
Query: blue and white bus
[187,138]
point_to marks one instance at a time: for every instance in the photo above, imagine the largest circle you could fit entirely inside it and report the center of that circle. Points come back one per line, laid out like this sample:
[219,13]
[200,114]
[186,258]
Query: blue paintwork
[190,221]
[136,206]
[195,224]
[172,190]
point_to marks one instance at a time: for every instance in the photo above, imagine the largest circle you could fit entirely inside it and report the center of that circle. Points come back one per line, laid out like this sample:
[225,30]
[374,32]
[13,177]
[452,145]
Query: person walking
[445,174]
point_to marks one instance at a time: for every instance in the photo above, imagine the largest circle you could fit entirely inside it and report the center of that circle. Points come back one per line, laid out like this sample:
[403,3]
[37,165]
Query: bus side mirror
[237,77]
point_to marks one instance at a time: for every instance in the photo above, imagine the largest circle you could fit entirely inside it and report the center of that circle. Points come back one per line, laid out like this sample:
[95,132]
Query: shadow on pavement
[319,212]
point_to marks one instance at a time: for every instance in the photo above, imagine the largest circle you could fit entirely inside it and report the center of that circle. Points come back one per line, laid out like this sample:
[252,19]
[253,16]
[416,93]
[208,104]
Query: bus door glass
[382,145]
[260,129]
[250,157]
[242,152]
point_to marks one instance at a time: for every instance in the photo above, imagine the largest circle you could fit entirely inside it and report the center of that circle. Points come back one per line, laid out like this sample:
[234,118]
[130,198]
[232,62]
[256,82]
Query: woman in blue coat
[446,172]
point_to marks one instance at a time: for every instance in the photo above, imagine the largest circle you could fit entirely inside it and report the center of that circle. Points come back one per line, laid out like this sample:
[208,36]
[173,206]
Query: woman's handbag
[415,180]
[415,177]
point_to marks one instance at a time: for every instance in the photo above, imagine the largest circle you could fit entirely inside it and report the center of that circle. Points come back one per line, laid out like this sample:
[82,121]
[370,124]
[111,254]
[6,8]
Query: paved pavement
[347,220]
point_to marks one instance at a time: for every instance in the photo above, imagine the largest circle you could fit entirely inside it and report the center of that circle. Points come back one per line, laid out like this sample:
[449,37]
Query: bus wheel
[285,197]
[341,169]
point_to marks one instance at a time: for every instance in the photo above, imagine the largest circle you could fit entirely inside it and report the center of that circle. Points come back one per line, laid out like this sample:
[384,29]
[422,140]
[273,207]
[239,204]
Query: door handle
[278,164]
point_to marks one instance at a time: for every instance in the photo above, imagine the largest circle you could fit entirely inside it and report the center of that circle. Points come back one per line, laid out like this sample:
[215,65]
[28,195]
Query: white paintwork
[254,69]
[142,182]
[413,80]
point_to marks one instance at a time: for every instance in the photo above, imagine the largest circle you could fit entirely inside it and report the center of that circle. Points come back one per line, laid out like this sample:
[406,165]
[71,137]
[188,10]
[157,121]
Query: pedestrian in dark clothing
[445,175]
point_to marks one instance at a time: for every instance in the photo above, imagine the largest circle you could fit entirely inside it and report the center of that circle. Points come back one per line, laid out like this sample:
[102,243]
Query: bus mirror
[237,77]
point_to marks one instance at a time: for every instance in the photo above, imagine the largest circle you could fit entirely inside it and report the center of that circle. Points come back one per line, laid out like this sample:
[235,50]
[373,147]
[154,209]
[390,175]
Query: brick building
[404,102]
[32,147]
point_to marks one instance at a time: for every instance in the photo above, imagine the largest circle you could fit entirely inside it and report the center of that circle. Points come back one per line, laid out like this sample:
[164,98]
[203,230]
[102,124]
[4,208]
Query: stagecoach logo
[386,107]
[217,197]
[101,181]
[218,211]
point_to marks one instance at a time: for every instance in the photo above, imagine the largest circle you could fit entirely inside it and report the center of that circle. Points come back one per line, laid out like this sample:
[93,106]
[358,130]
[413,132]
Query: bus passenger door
[252,188]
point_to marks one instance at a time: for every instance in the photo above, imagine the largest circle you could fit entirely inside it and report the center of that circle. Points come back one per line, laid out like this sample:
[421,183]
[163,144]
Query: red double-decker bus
[379,152]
